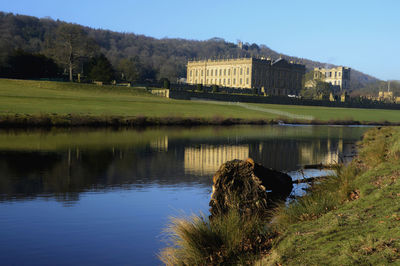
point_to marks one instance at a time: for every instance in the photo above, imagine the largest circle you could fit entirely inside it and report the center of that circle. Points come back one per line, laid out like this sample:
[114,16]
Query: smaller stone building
[339,77]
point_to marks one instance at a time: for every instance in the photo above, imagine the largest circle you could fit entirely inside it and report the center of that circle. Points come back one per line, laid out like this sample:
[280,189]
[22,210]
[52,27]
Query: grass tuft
[323,197]
[227,239]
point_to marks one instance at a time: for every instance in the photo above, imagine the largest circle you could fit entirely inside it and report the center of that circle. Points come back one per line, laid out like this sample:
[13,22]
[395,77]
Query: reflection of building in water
[329,152]
[205,160]
[160,144]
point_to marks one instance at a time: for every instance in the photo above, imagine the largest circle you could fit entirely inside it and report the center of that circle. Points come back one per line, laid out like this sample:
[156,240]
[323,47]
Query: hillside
[154,58]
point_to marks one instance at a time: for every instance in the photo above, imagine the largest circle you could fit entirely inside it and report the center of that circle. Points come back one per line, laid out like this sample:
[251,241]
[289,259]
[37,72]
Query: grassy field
[41,97]
[60,98]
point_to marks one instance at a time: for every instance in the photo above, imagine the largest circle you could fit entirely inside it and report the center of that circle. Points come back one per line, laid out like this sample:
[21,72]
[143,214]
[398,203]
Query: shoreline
[358,206]
[96,121]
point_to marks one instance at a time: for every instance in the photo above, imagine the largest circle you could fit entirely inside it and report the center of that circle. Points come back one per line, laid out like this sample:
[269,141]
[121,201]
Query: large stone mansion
[278,77]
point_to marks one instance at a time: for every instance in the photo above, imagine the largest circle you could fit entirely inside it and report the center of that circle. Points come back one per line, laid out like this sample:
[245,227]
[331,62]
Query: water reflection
[205,160]
[120,186]
[63,168]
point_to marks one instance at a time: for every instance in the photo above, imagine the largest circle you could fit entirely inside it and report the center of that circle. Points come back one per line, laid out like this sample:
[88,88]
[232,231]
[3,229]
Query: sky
[363,35]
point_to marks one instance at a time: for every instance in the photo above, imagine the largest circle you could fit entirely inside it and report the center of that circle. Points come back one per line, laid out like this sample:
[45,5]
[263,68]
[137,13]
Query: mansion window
[247,81]
[229,81]
[234,81]
[247,71]
[241,73]
[202,72]
[229,72]
[240,81]
[220,72]
[208,72]
[190,73]
[234,71]
[224,72]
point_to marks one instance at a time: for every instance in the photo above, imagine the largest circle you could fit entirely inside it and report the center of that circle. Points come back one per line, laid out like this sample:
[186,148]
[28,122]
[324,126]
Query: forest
[57,49]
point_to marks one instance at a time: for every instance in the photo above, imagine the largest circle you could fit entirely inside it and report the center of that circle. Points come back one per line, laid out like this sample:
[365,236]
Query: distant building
[338,77]
[387,96]
[278,77]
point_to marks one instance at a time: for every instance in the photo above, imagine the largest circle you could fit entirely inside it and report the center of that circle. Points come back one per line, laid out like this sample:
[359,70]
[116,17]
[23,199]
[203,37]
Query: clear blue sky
[364,35]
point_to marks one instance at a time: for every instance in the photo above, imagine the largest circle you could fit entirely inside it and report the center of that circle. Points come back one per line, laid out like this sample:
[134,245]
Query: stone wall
[187,95]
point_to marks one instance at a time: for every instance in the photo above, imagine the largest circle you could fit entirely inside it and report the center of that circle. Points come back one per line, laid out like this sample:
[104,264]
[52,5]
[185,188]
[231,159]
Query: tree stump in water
[245,186]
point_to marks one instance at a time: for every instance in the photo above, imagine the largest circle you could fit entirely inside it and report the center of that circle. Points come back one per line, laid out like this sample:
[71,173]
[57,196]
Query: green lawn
[44,97]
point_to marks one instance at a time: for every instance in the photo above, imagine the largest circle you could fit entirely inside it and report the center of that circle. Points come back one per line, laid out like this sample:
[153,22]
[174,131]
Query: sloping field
[61,98]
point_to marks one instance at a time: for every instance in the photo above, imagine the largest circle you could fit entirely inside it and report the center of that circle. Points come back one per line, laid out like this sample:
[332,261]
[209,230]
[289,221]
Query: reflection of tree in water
[21,172]
[65,174]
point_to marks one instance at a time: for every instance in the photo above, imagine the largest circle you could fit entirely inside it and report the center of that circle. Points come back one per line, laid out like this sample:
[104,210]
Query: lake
[104,196]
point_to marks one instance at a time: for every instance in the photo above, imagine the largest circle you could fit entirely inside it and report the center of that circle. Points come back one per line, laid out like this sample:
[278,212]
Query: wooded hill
[138,57]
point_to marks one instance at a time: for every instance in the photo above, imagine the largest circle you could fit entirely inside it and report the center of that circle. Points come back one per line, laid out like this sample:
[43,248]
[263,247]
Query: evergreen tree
[99,69]
[24,65]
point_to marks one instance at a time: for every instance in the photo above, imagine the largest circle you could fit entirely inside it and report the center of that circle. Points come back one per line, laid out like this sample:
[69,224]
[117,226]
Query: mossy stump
[247,187]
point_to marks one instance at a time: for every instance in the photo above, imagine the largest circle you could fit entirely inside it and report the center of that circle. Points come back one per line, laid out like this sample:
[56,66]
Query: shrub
[215,88]
[166,84]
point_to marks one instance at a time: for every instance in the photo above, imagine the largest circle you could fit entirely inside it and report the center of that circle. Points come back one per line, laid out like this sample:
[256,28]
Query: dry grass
[228,239]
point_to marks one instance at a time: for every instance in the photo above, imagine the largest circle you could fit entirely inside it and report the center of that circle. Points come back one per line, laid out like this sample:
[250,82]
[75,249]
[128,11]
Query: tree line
[103,54]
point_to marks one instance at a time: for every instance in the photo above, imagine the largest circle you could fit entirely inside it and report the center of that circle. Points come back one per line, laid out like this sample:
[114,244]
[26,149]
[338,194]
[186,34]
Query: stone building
[339,77]
[278,77]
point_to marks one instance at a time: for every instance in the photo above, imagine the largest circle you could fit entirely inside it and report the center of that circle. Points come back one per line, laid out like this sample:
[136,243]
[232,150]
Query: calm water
[103,197]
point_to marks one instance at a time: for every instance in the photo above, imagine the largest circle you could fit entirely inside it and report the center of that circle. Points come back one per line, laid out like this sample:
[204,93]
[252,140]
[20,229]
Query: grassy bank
[351,218]
[43,103]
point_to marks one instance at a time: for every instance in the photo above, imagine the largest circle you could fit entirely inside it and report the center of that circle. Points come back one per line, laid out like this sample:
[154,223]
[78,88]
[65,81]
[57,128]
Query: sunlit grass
[229,239]
[351,219]
[324,196]
[25,97]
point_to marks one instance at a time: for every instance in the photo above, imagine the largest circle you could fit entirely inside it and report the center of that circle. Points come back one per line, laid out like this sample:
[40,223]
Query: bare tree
[72,45]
